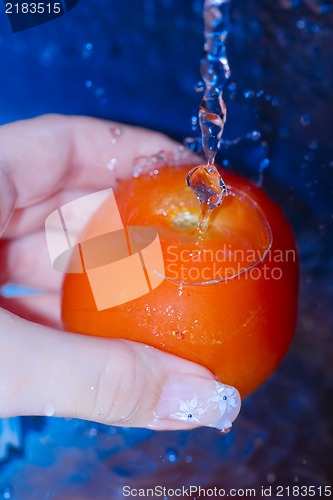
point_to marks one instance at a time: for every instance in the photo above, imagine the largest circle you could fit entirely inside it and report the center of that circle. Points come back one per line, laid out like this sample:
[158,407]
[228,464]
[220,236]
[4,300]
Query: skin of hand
[46,162]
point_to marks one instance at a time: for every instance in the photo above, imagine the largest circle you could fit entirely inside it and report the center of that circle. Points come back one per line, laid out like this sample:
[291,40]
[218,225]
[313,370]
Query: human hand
[44,163]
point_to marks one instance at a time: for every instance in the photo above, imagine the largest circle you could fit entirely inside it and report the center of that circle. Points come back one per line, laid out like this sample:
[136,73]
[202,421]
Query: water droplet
[88,84]
[254,135]
[194,122]
[264,164]
[92,432]
[313,145]
[305,119]
[92,388]
[178,335]
[271,477]
[7,492]
[149,164]
[100,91]
[276,101]
[87,50]
[49,410]
[301,24]
[188,459]
[142,321]
[260,93]
[248,94]
[112,163]
[194,144]
[172,455]
[47,55]
[207,184]
[232,87]
[325,7]
[199,86]
[115,132]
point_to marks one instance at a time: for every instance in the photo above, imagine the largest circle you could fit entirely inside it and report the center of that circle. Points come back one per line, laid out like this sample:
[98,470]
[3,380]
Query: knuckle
[119,387]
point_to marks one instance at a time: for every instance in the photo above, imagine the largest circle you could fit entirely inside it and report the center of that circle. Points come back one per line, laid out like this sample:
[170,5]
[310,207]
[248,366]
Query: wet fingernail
[198,402]
[7,200]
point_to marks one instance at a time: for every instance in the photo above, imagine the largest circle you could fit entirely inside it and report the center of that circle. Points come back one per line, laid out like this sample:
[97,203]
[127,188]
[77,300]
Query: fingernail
[7,200]
[196,401]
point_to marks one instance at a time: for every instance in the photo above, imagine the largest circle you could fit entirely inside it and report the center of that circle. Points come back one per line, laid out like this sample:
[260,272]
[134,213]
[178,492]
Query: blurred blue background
[138,62]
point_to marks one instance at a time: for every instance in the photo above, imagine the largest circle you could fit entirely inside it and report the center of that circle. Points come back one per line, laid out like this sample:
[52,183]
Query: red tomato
[240,327]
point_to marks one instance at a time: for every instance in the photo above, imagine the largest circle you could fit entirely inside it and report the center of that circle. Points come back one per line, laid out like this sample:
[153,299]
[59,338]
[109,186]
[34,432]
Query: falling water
[215,71]
[205,180]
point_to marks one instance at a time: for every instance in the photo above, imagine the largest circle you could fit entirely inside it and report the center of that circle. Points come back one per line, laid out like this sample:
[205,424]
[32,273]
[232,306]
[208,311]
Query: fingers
[35,155]
[7,200]
[115,382]
[32,218]
[97,142]
[44,154]
[26,261]
[42,308]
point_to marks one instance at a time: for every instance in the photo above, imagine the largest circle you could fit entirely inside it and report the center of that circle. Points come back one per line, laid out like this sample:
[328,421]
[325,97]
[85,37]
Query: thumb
[115,382]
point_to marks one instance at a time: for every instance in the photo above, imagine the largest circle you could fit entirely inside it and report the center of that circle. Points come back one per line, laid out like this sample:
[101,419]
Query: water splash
[195,143]
[207,184]
[152,164]
[205,180]
[149,164]
[215,72]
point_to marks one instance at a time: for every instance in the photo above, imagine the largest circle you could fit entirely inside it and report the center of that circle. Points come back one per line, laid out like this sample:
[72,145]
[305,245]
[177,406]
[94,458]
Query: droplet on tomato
[179,335]
[143,321]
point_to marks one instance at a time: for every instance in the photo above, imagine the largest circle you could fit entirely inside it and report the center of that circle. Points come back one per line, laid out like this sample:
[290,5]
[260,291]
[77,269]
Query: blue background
[138,62]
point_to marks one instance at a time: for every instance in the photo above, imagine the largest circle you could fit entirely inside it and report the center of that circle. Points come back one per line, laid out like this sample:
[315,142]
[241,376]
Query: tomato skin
[239,329]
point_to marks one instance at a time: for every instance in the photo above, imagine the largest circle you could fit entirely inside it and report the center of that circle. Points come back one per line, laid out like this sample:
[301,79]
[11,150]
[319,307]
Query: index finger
[44,154]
